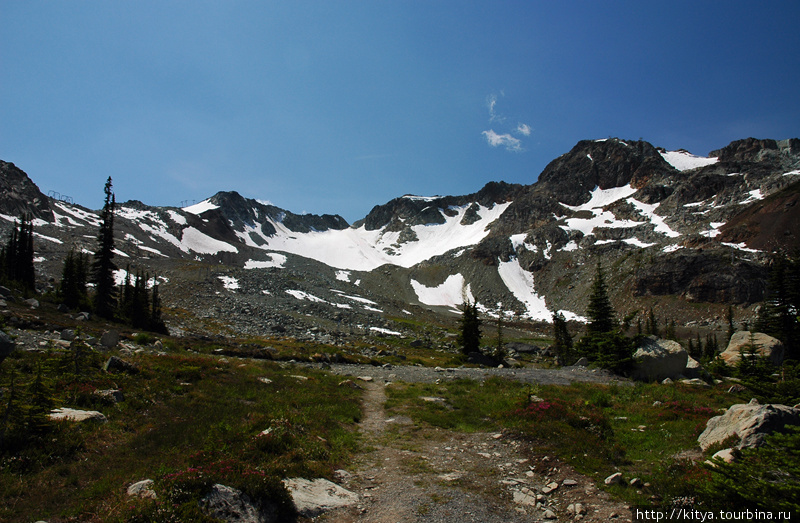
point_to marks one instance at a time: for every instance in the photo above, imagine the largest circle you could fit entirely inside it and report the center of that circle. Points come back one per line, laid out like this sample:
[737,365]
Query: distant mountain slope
[672,229]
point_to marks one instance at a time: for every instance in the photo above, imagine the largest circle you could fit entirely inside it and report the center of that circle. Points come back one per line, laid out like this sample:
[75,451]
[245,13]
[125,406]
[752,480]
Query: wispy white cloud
[502,140]
[491,104]
[523,129]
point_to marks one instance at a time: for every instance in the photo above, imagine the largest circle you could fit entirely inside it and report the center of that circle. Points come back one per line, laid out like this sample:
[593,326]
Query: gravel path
[414,374]
[426,474]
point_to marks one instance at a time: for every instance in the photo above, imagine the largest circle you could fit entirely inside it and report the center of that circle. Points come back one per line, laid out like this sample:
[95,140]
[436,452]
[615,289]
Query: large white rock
[750,423]
[657,359]
[313,497]
[766,347]
[67,414]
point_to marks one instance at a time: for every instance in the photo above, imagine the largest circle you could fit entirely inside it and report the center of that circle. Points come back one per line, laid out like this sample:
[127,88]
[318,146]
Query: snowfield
[450,293]
[363,250]
[684,161]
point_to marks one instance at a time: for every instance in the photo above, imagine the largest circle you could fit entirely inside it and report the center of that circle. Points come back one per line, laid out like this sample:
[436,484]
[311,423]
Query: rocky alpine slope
[684,234]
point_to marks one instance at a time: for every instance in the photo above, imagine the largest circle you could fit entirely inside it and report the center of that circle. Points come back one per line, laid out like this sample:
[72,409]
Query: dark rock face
[245,211]
[747,150]
[605,164]
[412,210]
[20,196]
[768,225]
[701,277]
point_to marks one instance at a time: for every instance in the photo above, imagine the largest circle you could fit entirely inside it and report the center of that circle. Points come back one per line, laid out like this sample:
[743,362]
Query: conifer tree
[603,343]
[601,313]
[16,258]
[103,267]
[72,290]
[562,341]
[778,316]
[156,320]
[470,333]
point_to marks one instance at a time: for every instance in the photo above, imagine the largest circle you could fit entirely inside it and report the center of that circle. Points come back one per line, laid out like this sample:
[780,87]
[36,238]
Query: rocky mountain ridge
[675,231]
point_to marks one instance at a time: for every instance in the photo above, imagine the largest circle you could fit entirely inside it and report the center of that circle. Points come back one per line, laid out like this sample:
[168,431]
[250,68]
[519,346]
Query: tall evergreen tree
[156,320]
[470,332]
[16,257]
[103,267]
[603,343]
[562,341]
[72,290]
[601,313]
[778,315]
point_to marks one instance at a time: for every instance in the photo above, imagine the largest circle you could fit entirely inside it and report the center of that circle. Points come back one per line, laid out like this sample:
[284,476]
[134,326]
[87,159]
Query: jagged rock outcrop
[604,164]
[19,196]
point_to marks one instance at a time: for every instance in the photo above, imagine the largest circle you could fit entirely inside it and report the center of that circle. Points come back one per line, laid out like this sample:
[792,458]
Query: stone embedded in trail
[524,498]
[313,497]
[453,476]
[614,479]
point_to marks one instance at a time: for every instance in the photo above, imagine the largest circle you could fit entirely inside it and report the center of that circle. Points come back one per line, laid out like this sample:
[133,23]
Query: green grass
[182,412]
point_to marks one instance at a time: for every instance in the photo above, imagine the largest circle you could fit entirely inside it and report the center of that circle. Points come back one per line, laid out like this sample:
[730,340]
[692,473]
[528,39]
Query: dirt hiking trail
[411,473]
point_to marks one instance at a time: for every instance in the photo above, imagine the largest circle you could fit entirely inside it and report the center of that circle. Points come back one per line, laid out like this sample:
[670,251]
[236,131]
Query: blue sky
[337,106]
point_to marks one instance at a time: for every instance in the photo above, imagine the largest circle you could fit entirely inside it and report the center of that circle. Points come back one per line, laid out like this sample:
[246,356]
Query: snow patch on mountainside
[200,243]
[276,261]
[229,282]
[520,283]
[683,161]
[450,293]
[602,197]
[649,211]
[200,208]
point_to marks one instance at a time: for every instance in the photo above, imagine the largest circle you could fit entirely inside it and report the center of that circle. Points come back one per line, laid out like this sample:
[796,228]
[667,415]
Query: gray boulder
[110,395]
[33,303]
[693,369]
[766,347]
[656,360]
[109,339]
[234,506]
[313,497]
[7,346]
[750,423]
[115,364]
